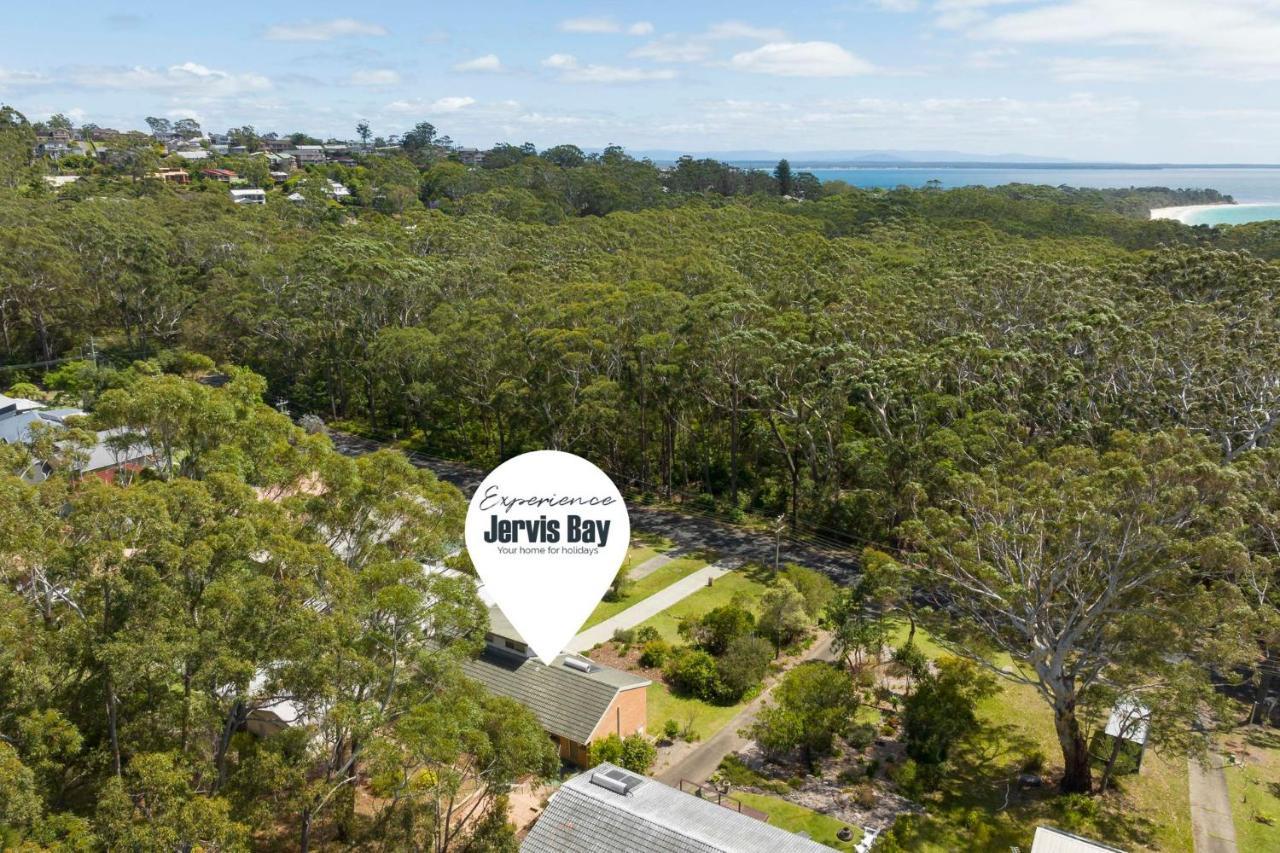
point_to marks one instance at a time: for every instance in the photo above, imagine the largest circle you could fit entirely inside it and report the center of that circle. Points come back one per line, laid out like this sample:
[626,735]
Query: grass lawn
[794,818]
[1255,788]
[704,718]
[640,590]
[749,584]
[1147,811]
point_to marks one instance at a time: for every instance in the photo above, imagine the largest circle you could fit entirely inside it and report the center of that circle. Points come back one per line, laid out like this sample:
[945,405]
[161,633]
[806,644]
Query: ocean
[1257,184]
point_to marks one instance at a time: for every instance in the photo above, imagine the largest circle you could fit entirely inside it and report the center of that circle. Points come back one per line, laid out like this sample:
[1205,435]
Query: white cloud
[1098,69]
[571,71]
[590,25]
[9,77]
[801,59]
[451,104]
[488,64]
[374,77]
[324,30]
[739,30]
[190,79]
[1235,38]
[605,25]
[897,5]
[673,49]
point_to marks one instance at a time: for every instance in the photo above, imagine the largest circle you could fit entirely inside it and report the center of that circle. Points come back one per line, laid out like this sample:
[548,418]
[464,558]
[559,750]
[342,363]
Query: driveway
[698,765]
[1211,824]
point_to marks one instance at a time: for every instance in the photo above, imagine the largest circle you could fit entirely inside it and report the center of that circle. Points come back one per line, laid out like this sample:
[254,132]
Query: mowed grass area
[748,583]
[1255,788]
[659,580]
[794,818]
[1149,811]
[704,718]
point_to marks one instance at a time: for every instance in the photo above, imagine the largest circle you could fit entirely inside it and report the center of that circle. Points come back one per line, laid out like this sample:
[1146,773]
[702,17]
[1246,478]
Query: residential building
[224,175]
[112,453]
[173,176]
[306,155]
[252,195]
[60,181]
[470,156]
[193,154]
[576,700]
[611,810]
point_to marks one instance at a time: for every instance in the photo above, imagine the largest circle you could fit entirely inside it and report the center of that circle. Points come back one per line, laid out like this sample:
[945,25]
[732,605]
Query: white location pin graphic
[547,532]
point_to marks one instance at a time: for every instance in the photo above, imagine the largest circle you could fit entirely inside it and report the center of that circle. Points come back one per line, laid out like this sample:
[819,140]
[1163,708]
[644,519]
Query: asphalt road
[688,532]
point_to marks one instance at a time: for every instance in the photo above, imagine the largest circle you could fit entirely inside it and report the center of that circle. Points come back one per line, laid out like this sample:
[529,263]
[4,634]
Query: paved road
[1211,823]
[688,532]
[648,608]
[698,765]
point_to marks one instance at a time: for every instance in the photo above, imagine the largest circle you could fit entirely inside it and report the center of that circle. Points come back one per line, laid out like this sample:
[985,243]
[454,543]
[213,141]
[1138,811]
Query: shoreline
[1184,212]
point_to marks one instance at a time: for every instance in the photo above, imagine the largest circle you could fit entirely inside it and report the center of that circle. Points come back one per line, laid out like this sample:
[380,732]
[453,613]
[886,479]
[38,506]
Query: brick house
[577,700]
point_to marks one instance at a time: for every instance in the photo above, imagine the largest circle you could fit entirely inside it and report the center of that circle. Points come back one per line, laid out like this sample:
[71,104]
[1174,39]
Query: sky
[1191,81]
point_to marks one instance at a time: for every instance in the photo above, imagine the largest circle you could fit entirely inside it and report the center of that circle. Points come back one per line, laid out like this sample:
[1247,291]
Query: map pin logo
[547,532]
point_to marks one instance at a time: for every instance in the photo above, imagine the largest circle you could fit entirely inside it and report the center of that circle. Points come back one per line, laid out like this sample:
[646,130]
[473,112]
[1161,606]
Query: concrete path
[1211,823]
[652,564]
[651,606]
[698,765]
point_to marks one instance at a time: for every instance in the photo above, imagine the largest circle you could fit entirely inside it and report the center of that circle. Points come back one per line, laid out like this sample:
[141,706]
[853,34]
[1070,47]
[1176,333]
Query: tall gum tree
[1090,569]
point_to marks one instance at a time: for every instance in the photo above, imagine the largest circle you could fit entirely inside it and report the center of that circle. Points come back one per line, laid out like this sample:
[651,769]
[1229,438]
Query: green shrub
[861,736]
[646,634]
[654,653]
[671,729]
[742,667]
[638,753]
[1033,763]
[625,636]
[693,673]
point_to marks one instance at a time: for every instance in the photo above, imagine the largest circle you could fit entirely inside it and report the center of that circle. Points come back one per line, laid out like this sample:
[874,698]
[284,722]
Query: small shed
[1050,840]
[1128,724]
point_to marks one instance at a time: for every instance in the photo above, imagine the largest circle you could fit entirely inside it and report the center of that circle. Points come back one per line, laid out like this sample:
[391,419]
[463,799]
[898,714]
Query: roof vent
[580,664]
[617,780]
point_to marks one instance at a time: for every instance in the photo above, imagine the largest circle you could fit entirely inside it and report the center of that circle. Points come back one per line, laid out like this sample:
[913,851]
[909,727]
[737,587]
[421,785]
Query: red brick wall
[630,708]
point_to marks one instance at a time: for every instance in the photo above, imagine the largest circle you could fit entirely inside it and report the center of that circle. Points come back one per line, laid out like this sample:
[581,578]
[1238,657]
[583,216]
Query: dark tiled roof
[566,701]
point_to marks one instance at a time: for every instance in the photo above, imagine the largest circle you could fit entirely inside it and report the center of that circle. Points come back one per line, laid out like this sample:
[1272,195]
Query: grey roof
[1129,720]
[1050,840]
[567,702]
[587,818]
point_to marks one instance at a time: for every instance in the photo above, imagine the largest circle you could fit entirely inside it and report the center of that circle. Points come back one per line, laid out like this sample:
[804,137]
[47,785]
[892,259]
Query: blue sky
[1137,80]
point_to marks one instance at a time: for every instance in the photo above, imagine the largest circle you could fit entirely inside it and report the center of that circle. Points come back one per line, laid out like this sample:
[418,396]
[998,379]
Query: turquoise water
[1244,184]
[1256,184]
[1234,214]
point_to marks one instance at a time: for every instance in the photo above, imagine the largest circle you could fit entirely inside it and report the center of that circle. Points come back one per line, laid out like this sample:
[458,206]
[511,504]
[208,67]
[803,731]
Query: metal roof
[1129,721]
[1050,840]
[586,817]
[568,702]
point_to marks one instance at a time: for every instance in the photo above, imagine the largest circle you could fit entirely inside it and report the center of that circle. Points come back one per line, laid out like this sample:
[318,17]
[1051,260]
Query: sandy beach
[1182,213]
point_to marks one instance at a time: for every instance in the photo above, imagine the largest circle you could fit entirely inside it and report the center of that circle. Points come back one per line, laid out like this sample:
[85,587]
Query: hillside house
[249,195]
[577,700]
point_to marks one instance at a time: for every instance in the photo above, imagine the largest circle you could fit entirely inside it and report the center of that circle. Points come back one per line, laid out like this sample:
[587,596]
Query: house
[173,176]
[337,190]
[576,700]
[193,154]
[611,810]
[224,175]
[113,452]
[307,154]
[249,196]
[1050,840]
[470,156]
[60,181]
[55,144]
[274,144]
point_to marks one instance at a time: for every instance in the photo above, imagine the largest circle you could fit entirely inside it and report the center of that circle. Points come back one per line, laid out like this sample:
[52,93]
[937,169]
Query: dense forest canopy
[921,370]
